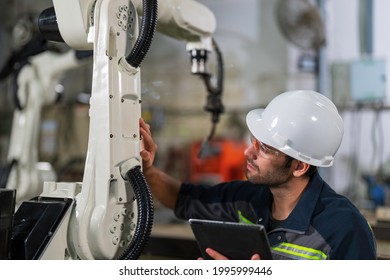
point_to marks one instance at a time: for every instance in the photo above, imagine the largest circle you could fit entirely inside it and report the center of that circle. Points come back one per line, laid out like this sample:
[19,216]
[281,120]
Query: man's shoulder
[336,209]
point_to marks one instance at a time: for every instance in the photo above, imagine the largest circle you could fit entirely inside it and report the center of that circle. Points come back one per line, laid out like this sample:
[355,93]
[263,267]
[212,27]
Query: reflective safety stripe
[300,252]
[242,219]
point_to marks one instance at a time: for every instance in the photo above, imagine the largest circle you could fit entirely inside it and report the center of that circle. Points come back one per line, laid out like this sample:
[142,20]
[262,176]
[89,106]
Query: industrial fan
[301,24]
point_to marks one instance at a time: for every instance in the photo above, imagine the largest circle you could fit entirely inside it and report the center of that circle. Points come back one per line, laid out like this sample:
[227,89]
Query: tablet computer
[235,241]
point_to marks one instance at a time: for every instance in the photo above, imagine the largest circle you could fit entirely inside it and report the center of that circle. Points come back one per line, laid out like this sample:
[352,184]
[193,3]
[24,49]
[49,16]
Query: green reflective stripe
[370,226]
[300,251]
[242,219]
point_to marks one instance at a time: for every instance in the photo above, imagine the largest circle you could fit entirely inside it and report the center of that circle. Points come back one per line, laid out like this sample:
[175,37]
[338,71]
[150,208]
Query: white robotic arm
[36,83]
[99,219]
[185,20]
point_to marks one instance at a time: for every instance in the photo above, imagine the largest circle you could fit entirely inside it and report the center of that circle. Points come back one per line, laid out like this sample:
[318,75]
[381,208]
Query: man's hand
[218,256]
[149,150]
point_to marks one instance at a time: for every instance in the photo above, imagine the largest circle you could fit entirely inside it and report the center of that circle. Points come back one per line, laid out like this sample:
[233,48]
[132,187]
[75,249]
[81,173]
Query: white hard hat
[303,124]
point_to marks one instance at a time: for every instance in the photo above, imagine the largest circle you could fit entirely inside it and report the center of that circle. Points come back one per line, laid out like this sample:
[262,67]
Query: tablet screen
[235,241]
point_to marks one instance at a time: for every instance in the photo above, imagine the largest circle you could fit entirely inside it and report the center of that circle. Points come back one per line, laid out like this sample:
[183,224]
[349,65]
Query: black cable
[214,97]
[148,27]
[18,60]
[20,57]
[145,214]
[214,103]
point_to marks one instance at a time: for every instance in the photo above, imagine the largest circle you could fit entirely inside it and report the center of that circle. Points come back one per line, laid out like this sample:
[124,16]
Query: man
[295,134]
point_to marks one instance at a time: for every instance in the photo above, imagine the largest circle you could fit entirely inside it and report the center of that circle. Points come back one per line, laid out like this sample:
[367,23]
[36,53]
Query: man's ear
[300,168]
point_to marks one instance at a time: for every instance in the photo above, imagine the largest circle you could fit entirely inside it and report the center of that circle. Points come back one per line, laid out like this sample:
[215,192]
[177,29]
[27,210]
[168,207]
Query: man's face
[266,165]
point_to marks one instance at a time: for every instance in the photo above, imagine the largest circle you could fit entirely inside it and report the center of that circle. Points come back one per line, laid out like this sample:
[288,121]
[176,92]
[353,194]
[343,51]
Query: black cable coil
[145,214]
[148,27]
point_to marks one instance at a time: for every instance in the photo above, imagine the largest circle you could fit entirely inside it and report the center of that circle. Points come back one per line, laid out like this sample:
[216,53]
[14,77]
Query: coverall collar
[299,218]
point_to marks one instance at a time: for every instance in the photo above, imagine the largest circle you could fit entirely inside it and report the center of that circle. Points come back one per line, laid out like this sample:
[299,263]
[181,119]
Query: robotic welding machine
[109,215]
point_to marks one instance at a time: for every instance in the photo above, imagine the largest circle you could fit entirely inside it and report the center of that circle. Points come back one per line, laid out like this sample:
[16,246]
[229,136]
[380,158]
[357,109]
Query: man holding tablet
[298,132]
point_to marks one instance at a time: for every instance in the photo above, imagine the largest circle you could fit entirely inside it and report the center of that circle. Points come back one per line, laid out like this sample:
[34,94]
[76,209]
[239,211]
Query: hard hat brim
[256,126]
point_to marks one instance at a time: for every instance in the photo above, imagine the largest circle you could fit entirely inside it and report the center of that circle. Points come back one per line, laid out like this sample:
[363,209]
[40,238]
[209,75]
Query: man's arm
[164,187]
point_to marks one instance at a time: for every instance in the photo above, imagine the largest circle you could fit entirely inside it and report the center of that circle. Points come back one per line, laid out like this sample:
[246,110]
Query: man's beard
[274,176]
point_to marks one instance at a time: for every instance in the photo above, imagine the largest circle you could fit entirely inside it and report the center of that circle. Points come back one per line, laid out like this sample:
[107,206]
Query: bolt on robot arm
[96,219]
